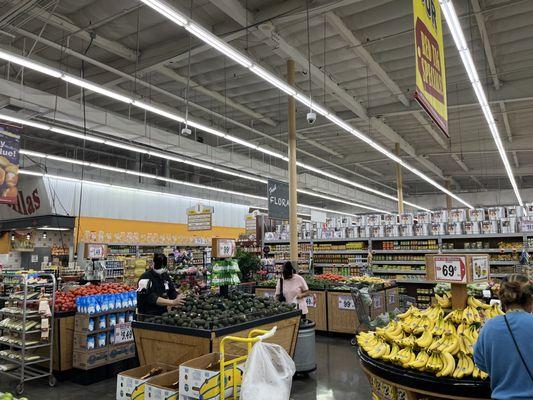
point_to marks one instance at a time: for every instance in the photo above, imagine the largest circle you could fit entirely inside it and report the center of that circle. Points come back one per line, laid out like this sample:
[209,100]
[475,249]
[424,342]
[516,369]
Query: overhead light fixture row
[227,50]
[168,114]
[460,42]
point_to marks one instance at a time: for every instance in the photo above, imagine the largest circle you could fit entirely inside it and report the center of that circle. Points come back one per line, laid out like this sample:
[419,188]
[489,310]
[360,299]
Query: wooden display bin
[63,341]
[175,345]
[341,319]
[317,310]
[341,315]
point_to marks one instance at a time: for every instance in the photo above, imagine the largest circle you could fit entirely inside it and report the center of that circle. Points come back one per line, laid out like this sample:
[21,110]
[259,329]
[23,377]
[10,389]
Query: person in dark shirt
[155,290]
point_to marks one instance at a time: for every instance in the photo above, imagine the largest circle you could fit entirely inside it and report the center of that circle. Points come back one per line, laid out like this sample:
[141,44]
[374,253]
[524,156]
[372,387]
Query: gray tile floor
[338,376]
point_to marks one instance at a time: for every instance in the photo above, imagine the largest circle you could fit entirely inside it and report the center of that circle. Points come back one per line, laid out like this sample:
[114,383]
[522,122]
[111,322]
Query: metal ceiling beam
[235,10]
[360,51]
[226,101]
[64,23]
[282,48]
[486,42]
[506,121]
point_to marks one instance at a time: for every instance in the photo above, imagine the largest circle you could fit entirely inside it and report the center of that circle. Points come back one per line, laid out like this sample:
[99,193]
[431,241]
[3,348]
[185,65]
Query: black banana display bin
[425,383]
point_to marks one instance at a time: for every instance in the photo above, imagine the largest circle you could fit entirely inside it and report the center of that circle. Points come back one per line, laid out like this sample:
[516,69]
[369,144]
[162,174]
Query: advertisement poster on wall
[9,166]
[430,90]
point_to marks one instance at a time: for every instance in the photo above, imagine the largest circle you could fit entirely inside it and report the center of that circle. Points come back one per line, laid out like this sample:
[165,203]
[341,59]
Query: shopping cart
[362,312]
[232,375]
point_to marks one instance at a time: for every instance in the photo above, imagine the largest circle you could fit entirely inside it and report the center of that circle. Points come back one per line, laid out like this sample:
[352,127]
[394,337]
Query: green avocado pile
[214,312]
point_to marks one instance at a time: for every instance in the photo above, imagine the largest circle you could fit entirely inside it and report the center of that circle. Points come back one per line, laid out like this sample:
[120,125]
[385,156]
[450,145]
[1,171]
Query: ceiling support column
[293,177]
[399,180]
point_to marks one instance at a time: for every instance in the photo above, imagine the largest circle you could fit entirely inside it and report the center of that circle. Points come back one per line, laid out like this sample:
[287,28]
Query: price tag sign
[225,248]
[450,269]
[480,268]
[269,294]
[123,333]
[311,301]
[487,293]
[346,303]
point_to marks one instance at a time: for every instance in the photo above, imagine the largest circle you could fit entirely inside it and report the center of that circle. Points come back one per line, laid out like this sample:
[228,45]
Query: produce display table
[63,339]
[316,305]
[174,345]
[391,382]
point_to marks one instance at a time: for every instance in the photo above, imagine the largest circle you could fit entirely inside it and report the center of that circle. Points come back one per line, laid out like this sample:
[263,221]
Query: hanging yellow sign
[430,69]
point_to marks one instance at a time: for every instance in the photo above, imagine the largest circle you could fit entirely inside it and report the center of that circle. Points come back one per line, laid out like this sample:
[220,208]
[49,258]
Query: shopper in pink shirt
[293,286]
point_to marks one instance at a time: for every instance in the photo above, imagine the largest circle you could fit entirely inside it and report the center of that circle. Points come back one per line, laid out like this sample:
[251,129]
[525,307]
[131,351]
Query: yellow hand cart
[255,335]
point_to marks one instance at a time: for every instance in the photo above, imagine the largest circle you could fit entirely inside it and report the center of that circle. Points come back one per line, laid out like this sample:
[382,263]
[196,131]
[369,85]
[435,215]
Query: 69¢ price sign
[450,269]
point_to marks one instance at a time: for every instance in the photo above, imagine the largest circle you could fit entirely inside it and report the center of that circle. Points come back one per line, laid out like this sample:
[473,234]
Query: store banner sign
[200,218]
[278,199]
[32,200]
[430,68]
[9,167]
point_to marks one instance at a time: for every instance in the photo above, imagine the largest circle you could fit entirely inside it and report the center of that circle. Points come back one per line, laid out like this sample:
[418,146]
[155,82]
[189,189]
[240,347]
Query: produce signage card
[9,167]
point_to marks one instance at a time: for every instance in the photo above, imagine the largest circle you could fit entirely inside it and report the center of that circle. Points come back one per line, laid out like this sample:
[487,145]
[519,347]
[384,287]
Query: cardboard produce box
[131,385]
[200,377]
[378,304]
[392,299]
[121,351]
[162,387]
[80,341]
[89,359]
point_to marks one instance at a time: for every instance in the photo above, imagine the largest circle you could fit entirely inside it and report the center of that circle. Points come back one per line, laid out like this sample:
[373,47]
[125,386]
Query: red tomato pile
[66,301]
[331,277]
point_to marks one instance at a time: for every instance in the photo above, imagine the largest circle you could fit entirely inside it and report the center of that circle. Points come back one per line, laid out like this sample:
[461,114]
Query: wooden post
[399,181]
[459,296]
[448,185]
[293,178]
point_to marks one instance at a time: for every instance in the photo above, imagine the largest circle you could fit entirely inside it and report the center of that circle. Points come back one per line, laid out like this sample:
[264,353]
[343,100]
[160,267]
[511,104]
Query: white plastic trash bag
[268,373]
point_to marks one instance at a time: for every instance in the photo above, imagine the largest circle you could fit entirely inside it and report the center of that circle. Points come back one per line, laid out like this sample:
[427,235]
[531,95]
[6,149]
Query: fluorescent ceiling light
[184,183]
[218,44]
[460,42]
[166,11]
[96,88]
[52,228]
[26,62]
[234,139]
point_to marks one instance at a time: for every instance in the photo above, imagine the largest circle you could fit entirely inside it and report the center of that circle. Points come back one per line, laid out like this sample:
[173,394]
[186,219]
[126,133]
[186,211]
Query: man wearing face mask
[155,291]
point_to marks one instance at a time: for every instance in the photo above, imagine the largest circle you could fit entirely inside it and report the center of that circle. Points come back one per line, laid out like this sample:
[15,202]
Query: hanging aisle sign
[430,68]
[200,218]
[278,199]
[9,167]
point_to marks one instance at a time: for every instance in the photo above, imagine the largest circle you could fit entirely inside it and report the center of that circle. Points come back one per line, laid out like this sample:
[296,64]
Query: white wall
[131,204]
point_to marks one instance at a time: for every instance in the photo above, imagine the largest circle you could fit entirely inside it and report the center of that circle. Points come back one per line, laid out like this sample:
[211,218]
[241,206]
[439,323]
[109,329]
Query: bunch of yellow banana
[471,315]
[473,302]
[433,312]
[448,364]
[392,331]
[367,340]
[493,311]
[479,374]
[410,311]
[445,301]
[420,361]
[392,354]
[455,316]
[408,341]
[405,356]
[465,366]
[434,363]
[425,340]
[383,348]
[438,328]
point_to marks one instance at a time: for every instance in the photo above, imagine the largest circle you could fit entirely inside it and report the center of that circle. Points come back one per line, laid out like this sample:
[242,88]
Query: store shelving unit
[500,246]
[18,292]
